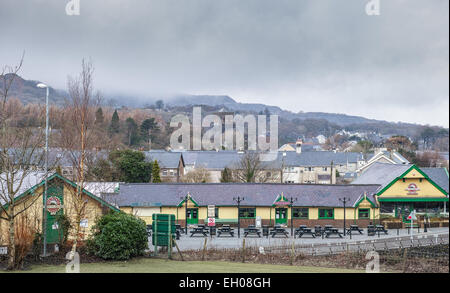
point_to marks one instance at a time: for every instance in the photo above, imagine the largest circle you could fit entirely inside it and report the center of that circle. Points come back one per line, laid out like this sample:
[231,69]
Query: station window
[247,212]
[326,213]
[216,213]
[363,214]
[300,213]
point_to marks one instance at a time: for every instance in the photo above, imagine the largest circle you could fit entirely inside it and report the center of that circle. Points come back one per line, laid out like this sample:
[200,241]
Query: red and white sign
[211,222]
[412,216]
[53,205]
[412,189]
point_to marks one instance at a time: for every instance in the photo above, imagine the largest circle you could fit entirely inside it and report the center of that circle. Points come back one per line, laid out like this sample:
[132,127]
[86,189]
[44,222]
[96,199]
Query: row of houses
[389,189]
[312,167]
[285,166]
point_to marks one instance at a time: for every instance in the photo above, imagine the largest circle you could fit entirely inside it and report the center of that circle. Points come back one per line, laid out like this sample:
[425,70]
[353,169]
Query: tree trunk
[11,245]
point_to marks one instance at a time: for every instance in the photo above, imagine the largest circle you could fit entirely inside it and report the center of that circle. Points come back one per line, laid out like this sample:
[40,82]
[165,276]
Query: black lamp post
[344,200]
[238,200]
[186,199]
[292,200]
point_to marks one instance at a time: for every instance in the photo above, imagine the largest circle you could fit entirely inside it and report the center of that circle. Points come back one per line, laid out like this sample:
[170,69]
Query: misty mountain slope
[27,92]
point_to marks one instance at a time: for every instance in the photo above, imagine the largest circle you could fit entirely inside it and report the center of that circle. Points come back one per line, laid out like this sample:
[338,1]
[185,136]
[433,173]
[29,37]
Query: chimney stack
[298,146]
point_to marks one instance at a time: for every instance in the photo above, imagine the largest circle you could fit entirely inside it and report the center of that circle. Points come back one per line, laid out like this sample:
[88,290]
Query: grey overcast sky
[301,55]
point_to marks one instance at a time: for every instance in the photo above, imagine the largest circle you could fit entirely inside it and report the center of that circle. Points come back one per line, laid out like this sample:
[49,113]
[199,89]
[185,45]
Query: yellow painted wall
[92,210]
[398,189]
[33,215]
[228,212]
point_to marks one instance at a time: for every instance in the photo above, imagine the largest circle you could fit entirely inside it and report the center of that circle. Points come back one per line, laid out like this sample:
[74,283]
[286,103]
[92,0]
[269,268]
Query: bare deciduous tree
[21,151]
[78,140]
[199,175]
[251,169]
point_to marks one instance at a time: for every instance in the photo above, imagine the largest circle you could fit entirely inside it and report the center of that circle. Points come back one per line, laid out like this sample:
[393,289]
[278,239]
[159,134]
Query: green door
[54,208]
[280,216]
[192,216]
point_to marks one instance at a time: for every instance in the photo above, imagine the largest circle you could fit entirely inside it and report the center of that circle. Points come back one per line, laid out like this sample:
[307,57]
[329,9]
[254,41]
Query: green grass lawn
[149,265]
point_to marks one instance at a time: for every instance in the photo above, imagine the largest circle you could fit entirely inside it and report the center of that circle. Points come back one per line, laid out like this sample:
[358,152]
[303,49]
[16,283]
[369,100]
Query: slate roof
[29,180]
[165,159]
[221,194]
[383,174]
[211,159]
[221,159]
[438,175]
[34,179]
[320,158]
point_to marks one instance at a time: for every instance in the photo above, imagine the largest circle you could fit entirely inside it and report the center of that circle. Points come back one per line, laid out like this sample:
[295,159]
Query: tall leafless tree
[77,137]
[21,151]
[251,169]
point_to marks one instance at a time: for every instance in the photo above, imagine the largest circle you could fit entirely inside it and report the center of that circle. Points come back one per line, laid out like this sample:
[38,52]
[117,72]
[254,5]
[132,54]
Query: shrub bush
[118,236]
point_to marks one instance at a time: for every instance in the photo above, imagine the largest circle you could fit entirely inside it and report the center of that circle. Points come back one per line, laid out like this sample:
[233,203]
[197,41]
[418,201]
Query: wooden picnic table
[354,228]
[179,228]
[380,228]
[252,230]
[332,231]
[318,231]
[307,231]
[225,229]
[277,230]
[299,229]
[199,230]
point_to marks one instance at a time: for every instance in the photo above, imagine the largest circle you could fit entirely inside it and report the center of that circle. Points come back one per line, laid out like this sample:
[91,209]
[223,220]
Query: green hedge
[118,236]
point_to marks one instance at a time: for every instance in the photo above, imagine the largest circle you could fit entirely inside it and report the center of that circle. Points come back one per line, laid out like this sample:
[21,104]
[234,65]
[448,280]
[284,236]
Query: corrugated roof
[221,194]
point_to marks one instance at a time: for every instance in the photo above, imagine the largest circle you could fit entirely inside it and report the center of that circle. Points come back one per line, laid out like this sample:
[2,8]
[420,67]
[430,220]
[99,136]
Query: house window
[247,213]
[326,213]
[300,213]
[363,214]
[164,172]
[404,180]
[171,172]
[324,169]
[216,213]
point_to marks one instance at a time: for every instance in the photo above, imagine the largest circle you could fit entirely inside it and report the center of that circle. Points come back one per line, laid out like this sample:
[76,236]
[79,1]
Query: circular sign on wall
[412,188]
[53,205]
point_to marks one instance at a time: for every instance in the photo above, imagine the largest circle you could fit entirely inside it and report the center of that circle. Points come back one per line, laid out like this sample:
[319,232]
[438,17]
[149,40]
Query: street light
[41,85]
[186,198]
[292,200]
[238,200]
[344,200]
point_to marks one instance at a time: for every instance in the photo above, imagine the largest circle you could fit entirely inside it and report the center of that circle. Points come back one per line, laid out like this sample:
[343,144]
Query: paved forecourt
[226,242]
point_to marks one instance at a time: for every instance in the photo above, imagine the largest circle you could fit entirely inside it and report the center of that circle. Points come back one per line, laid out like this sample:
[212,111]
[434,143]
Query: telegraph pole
[344,200]
[238,200]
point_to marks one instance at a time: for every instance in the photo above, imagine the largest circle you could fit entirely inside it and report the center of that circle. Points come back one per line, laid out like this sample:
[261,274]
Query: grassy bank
[150,265]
